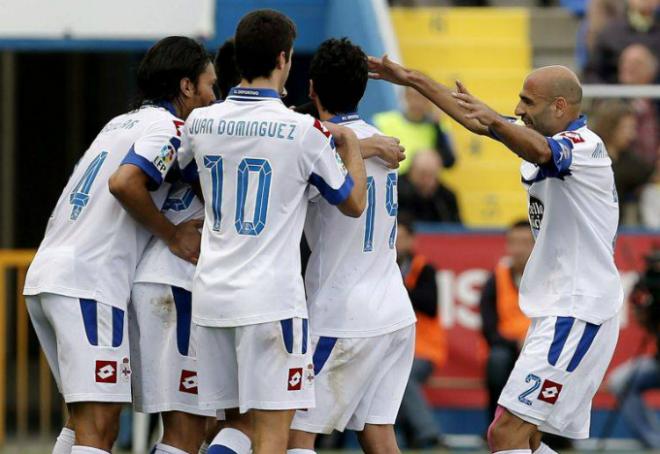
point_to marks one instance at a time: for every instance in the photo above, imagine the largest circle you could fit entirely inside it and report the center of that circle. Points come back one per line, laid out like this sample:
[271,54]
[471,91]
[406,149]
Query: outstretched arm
[523,141]
[440,95]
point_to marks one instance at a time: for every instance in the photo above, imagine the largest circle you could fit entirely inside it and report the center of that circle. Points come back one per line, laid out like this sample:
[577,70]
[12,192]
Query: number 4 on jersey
[80,195]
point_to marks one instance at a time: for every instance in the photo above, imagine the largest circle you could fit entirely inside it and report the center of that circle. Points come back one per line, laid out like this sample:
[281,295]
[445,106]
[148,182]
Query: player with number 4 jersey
[79,283]
[362,321]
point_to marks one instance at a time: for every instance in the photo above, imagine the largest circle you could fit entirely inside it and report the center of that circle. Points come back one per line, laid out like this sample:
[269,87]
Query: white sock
[204,448]
[65,441]
[233,439]
[515,451]
[87,450]
[545,449]
[162,448]
[300,451]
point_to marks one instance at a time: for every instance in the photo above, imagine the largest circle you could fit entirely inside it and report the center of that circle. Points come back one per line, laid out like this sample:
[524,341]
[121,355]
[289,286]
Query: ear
[281,60]
[187,87]
[561,105]
[312,93]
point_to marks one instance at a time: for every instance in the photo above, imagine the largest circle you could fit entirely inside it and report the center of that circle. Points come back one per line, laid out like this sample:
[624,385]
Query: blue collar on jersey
[577,124]
[252,94]
[344,117]
[167,105]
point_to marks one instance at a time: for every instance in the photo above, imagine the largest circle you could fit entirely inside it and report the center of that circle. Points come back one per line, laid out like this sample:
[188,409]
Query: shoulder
[161,120]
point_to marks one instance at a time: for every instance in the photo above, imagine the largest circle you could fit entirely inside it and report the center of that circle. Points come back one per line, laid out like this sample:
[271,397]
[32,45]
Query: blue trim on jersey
[146,166]
[345,117]
[588,335]
[117,326]
[287,334]
[322,353]
[168,106]
[563,327]
[252,94]
[580,122]
[561,159]
[183,305]
[90,320]
[220,449]
[333,196]
[190,173]
[304,335]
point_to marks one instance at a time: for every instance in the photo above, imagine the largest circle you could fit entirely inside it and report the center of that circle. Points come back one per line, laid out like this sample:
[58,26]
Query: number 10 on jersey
[247,165]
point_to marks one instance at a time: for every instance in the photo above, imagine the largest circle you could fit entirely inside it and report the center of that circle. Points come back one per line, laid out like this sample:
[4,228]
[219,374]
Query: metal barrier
[18,261]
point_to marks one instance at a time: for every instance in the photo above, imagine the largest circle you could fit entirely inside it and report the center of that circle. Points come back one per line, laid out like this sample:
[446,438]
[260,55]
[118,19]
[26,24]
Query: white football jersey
[574,213]
[255,158]
[354,285]
[158,264]
[92,245]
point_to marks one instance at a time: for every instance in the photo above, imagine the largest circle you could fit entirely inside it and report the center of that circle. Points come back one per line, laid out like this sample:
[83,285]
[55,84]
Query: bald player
[570,288]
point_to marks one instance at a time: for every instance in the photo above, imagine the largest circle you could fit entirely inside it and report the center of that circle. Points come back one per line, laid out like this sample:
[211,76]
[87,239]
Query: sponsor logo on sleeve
[550,391]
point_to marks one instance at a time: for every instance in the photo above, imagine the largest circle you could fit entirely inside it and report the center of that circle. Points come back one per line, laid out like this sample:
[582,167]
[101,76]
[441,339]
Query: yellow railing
[19,260]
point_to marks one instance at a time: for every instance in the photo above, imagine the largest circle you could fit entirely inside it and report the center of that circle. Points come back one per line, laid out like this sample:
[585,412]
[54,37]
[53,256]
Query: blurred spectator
[418,128]
[649,201]
[422,195]
[638,66]
[615,122]
[503,324]
[638,25]
[632,379]
[596,14]
[415,416]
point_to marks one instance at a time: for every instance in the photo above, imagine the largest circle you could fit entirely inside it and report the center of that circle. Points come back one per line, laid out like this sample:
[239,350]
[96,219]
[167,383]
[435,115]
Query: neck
[262,82]
[324,114]
[180,108]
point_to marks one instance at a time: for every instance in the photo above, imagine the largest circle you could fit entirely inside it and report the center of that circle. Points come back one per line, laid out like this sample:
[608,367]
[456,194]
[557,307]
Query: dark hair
[308,108]
[339,73]
[260,38]
[165,64]
[226,69]
[522,223]
[406,220]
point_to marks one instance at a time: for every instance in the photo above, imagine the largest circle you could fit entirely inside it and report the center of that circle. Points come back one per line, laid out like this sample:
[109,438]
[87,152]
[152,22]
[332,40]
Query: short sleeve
[155,151]
[328,173]
[562,155]
[186,158]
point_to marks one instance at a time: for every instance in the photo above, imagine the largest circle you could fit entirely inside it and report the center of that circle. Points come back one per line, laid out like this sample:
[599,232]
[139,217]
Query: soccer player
[362,322]
[161,343]
[78,285]
[570,288]
[256,161]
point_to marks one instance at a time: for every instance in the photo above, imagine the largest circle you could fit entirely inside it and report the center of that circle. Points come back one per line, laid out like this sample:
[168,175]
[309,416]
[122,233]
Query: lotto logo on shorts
[550,392]
[188,382]
[106,371]
[295,379]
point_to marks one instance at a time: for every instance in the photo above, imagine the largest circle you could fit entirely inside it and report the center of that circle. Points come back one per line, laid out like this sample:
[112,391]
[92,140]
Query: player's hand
[473,107]
[389,149]
[385,69]
[186,241]
[339,133]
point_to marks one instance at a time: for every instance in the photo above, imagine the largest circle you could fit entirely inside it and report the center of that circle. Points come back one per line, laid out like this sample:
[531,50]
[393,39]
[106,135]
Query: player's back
[574,216]
[255,159]
[354,285]
[91,245]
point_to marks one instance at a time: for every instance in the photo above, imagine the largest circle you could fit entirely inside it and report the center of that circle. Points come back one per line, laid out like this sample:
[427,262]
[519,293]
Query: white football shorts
[560,368]
[267,366]
[86,345]
[163,350]
[358,381]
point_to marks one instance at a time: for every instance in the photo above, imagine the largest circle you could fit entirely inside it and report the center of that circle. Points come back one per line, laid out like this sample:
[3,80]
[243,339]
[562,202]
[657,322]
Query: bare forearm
[525,142]
[441,96]
[353,160]
[132,193]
